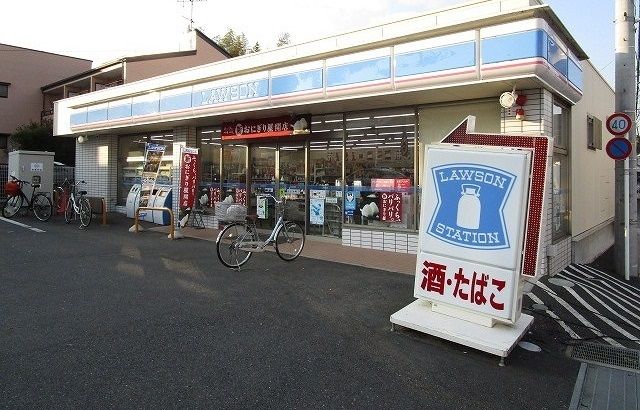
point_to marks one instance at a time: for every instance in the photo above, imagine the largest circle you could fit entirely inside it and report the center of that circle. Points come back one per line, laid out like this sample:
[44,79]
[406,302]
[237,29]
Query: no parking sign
[619,148]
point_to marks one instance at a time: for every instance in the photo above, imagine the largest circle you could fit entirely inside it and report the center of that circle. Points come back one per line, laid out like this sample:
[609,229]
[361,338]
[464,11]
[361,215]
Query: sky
[107,30]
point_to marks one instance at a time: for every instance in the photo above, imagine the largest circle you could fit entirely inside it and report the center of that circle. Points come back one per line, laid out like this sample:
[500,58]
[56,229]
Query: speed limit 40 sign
[618,123]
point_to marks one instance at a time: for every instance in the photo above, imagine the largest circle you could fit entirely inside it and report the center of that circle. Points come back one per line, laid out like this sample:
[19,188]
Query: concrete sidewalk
[329,249]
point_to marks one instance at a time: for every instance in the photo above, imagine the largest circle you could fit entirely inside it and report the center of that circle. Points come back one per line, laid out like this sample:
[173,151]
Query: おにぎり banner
[188,176]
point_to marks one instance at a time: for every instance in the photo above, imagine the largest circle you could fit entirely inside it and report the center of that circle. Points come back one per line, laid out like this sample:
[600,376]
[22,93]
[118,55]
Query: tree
[39,137]
[234,44]
[283,40]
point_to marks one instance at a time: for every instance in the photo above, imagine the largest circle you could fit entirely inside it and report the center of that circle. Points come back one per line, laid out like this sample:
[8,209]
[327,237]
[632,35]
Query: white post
[626,207]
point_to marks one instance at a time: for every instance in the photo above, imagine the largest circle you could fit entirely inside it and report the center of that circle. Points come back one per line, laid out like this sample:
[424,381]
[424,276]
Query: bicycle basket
[11,188]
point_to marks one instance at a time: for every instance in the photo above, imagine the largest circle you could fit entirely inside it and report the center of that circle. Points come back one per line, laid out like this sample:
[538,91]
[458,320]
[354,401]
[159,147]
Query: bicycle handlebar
[273,197]
[19,180]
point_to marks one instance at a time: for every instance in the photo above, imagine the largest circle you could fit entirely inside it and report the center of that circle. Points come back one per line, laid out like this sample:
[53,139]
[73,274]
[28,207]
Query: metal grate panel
[605,355]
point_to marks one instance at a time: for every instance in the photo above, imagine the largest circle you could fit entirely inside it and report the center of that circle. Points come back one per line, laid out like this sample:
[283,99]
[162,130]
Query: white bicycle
[237,242]
[78,206]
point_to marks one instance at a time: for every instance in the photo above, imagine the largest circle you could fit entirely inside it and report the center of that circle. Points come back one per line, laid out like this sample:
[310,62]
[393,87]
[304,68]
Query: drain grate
[605,355]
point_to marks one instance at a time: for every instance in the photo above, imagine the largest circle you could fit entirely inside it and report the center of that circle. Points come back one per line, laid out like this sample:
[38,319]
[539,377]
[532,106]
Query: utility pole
[626,206]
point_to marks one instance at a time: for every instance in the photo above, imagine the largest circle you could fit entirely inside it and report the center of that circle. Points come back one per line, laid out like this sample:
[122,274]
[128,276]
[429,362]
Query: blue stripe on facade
[145,107]
[508,47]
[436,59]
[119,111]
[175,102]
[575,74]
[78,118]
[359,72]
[97,115]
[558,58]
[295,82]
[514,46]
[234,92]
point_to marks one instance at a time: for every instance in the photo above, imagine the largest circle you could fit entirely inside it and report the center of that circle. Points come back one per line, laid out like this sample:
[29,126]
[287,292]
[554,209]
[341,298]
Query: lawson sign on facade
[472,232]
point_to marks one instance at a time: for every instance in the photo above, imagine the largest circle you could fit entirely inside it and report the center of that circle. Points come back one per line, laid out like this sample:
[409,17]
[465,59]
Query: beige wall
[436,122]
[27,71]
[205,53]
[592,171]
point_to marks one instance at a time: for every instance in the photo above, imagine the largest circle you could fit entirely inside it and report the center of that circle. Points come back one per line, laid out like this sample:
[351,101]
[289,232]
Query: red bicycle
[39,203]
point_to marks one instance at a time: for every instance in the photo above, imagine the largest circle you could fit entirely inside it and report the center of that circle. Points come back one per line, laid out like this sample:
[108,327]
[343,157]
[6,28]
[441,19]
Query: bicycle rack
[154,208]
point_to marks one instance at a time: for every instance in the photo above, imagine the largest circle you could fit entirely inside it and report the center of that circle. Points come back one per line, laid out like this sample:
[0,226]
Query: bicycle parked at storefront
[39,203]
[78,206]
[237,242]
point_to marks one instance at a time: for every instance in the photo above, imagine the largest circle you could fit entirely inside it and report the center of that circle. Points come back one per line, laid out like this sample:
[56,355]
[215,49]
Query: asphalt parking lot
[104,317]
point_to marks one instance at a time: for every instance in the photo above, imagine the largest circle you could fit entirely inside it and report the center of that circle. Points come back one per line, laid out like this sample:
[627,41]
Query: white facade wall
[96,163]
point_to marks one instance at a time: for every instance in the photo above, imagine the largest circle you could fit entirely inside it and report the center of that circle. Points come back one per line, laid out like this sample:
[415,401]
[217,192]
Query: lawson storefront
[339,124]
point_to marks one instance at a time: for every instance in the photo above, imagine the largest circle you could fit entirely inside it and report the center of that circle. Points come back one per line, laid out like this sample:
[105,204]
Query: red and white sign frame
[463,134]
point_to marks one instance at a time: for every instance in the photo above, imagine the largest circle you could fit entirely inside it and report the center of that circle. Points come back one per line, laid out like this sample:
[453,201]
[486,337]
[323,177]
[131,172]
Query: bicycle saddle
[252,218]
[35,185]
[82,192]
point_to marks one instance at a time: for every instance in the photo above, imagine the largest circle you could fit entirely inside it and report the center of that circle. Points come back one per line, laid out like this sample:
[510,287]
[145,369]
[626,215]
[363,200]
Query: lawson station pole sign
[470,243]
[481,197]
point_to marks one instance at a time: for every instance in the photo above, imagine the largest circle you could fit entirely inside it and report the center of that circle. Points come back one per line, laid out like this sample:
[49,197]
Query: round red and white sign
[618,123]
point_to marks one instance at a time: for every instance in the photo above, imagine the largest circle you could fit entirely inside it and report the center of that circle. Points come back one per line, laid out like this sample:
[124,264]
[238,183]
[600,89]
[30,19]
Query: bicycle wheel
[42,207]
[85,212]
[229,245]
[289,241]
[12,206]
[69,212]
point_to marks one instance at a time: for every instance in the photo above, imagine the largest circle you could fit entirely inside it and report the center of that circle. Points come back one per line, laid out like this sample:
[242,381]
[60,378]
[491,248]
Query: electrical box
[34,167]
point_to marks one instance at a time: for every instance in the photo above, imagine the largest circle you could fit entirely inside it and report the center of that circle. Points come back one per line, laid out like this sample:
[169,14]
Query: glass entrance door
[262,180]
[292,166]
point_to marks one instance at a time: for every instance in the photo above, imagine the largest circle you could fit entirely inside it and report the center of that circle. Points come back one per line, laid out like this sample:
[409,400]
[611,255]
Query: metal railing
[59,175]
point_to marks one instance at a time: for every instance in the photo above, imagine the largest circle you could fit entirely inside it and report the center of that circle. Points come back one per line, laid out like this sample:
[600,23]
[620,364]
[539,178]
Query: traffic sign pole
[626,207]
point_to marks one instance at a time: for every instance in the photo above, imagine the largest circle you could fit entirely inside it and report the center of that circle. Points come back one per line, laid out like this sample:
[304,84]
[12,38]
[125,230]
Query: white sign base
[498,340]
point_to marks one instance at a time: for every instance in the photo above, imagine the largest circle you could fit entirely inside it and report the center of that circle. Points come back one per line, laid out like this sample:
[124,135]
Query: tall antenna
[190,28]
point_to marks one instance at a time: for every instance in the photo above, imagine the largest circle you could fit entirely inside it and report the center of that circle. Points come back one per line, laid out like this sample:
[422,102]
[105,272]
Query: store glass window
[262,176]
[234,173]
[131,150]
[560,200]
[379,168]
[325,175]
[292,180]
[209,143]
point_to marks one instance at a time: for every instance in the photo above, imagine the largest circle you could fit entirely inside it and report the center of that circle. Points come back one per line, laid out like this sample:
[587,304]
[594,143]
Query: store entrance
[278,170]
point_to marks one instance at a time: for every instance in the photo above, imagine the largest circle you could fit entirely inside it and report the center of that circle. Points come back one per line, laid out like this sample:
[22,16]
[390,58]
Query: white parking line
[21,224]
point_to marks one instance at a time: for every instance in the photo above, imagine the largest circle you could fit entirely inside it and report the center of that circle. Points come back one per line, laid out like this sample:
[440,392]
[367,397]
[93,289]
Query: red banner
[188,176]
[214,196]
[391,207]
[266,127]
[241,196]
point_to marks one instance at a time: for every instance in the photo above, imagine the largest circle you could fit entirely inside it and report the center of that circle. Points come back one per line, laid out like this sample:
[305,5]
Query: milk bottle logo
[469,207]
[470,204]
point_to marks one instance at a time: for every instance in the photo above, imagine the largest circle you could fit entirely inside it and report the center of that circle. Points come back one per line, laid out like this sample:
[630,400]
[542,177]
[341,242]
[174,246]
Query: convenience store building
[361,107]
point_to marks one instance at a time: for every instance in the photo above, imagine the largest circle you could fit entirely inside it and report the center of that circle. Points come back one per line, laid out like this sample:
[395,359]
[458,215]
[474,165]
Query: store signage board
[152,160]
[472,228]
[619,148]
[284,126]
[481,211]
